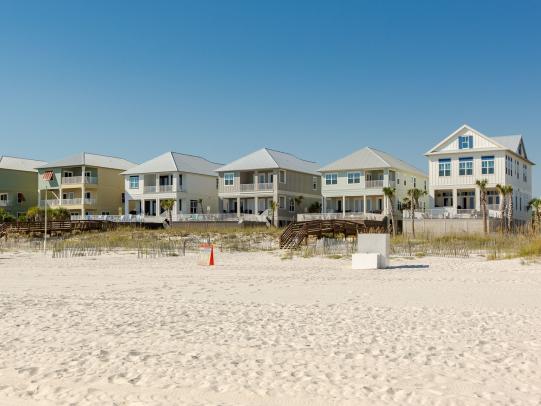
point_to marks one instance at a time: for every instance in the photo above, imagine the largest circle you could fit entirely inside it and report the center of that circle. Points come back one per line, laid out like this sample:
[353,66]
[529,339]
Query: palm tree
[389,193]
[535,206]
[167,205]
[273,207]
[502,190]
[482,184]
[298,202]
[413,196]
[509,207]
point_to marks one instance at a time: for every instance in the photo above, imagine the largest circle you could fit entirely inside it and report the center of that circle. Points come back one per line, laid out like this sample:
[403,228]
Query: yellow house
[85,184]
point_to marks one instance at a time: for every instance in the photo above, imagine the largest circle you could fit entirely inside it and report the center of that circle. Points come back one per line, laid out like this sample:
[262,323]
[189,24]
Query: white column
[238,206]
[343,206]
[477,199]
[364,204]
[256,204]
[455,200]
[142,207]
[126,204]
[83,191]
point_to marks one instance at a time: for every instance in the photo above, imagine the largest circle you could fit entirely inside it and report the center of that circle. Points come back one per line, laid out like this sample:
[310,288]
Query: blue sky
[221,79]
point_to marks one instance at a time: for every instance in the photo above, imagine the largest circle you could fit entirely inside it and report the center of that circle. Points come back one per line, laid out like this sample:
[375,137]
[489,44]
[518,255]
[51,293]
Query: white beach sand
[259,330]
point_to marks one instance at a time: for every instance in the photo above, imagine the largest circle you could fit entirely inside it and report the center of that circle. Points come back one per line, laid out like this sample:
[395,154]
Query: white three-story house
[467,155]
[190,181]
[353,186]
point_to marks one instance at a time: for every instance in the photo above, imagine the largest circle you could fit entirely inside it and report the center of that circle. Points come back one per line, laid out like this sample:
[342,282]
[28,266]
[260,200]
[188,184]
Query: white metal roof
[267,158]
[85,158]
[511,142]
[20,164]
[370,158]
[175,162]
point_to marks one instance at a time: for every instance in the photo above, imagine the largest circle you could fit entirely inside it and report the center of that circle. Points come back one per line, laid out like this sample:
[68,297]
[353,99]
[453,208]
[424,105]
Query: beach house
[467,155]
[248,185]
[190,181]
[18,184]
[86,184]
[352,186]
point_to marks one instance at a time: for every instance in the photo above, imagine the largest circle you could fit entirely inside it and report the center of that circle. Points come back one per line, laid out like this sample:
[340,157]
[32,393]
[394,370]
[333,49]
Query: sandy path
[258,330]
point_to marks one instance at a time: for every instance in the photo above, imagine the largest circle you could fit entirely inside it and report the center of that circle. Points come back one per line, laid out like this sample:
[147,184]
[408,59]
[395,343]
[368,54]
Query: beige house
[190,181]
[465,156]
[18,184]
[85,184]
[248,185]
[353,186]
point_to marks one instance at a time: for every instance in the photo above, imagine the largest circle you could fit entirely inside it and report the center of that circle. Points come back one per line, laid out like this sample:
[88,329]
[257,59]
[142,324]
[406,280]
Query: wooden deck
[294,234]
[53,227]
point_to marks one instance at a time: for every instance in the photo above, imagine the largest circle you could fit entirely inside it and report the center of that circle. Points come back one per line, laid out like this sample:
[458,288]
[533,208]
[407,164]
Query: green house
[18,184]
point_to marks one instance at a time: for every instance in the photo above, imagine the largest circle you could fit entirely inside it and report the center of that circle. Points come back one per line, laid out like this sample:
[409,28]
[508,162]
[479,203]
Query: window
[445,167]
[193,206]
[525,173]
[217,184]
[314,183]
[392,176]
[180,181]
[282,202]
[291,204]
[487,165]
[517,169]
[229,179]
[465,142]
[179,205]
[134,182]
[261,178]
[282,176]
[88,174]
[331,179]
[68,174]
[354,177]
[3,197]
[508,165]
[104,213]
[87,195]
[465,166]
[414,180]
[425,185]
[123,197]
[493,197]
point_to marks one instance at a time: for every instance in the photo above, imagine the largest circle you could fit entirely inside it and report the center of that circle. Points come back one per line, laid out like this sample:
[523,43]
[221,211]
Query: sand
[260,330]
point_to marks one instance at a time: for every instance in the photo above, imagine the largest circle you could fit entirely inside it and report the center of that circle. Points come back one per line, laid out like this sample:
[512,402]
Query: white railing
[373,184]
[265,186]
[50,202]
[150,189]
[450,213]
[76,180]
[128,218]
[260,218]
[340,216]
[247,187]
[4,203]
[165,188]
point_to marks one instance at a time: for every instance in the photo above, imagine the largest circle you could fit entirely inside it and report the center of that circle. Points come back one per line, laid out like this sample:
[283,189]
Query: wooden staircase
[296,233]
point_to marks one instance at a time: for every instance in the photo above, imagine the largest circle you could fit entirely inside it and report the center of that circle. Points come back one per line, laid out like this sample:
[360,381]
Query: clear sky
[223,78]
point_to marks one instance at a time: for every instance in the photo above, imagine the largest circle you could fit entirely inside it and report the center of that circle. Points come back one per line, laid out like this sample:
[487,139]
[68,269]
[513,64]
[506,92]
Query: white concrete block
[375,243]
[365,261]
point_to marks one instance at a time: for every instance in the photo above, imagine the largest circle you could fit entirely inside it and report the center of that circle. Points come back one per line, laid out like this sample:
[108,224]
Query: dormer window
[465,142]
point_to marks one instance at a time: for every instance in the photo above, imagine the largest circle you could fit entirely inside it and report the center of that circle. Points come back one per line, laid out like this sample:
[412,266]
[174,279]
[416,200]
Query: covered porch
[245,205]
[374,204]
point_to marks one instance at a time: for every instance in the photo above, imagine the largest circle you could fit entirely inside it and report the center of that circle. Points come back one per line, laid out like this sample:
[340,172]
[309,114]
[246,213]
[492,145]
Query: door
[380,204]
[339,206]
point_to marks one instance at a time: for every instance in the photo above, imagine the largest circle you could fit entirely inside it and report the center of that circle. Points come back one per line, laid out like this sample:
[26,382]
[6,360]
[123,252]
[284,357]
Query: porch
[375,204]
[245,205]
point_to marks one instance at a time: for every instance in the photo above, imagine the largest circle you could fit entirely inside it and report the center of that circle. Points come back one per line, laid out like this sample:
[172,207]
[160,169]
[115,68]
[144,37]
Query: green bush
[5,216]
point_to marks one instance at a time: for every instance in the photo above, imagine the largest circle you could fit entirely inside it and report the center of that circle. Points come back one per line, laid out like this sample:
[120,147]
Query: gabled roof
[267,158]
[85,158]
[175,162]
[370,158]
[513,143]
[20,164]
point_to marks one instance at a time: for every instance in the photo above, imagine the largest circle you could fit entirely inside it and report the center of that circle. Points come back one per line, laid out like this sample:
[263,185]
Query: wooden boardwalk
[53,227]
[297,232]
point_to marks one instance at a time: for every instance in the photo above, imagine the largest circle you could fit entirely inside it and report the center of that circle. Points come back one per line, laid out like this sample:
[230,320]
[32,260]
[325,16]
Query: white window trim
[232,181]
[281,202]
[314,182]
[291,203]
[353,178]
[331,175]
[280,172]
[130,184]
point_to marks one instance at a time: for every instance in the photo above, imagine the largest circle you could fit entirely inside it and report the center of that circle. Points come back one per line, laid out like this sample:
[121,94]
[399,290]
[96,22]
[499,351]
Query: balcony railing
[450,213]
[163,189]
[247,187]
[336,216]
[4,203]
[150,189]
[77,180]
[373,184]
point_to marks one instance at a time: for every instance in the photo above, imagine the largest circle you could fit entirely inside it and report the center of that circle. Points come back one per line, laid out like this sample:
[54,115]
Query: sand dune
[259,330]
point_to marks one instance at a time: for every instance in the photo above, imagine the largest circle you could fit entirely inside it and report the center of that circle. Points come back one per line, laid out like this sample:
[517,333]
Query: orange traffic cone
[211,260]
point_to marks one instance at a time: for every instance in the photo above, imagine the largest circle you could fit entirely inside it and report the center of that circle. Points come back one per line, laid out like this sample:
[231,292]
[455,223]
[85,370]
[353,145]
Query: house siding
[13,182]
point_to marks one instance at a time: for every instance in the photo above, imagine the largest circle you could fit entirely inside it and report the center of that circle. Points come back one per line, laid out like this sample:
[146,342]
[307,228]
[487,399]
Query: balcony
[247,188]
[162,189]
[373,184]
[69,202]
[79,180]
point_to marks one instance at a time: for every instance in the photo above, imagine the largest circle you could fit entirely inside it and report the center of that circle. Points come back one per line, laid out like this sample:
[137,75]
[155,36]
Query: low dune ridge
[258,329]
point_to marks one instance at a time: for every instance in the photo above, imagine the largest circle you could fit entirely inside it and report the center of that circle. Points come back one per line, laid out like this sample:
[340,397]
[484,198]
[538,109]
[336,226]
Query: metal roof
[511,142]
[267,158]
[20,164]
[370,158]
[85,158]
[175,162]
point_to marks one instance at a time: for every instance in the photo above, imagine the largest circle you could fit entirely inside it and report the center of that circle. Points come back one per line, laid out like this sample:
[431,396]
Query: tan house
[18,184]
[85,184]
[248,185]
